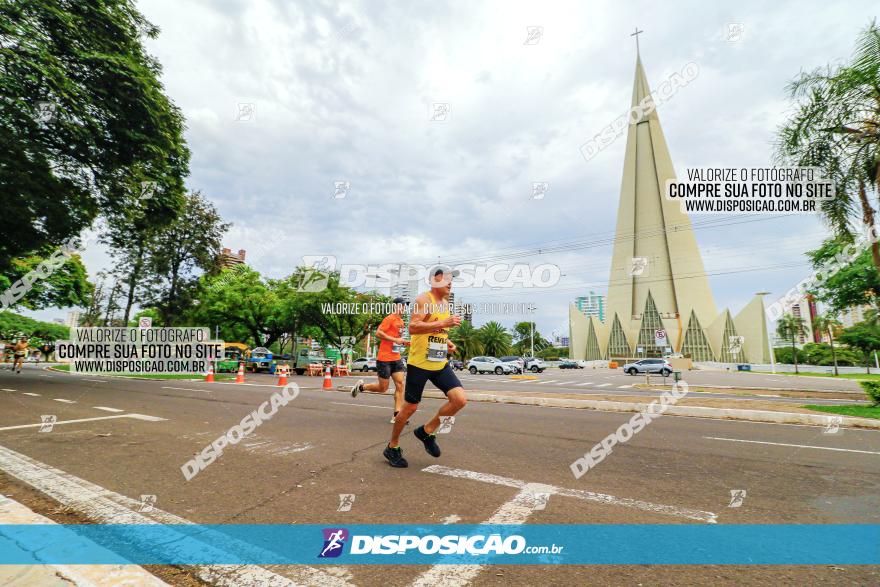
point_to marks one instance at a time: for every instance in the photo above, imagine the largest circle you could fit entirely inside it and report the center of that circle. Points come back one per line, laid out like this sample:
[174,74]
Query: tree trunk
[868,217]
[132,282]
[833,354]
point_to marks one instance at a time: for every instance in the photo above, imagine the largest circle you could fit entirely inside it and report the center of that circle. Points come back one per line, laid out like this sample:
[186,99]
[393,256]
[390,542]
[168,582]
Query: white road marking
[62,400]
[360,405]
[515,511]
[866,452]
[107,507]
[603,385]
[583,384]
[7,389]
[106,409]
[187,389]
[687,513]
[12,512]
[546,382]
[451,519]
[31,394]
[565,383]
[132,416]
[625,386]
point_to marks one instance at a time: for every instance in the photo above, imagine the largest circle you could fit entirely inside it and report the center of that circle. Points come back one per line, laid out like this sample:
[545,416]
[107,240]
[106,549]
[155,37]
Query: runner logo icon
[334,540]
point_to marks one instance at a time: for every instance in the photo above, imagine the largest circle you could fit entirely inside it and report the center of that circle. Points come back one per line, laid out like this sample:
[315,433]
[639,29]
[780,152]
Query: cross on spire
[636,35]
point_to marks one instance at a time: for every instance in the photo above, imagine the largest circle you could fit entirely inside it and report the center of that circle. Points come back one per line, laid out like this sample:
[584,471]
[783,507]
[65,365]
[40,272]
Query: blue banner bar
[375,544]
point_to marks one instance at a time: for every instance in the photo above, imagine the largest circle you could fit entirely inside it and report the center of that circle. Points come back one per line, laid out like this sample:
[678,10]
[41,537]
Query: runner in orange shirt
[389,365]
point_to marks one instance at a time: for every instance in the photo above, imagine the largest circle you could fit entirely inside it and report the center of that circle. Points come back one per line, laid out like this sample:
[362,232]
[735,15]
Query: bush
[872,389]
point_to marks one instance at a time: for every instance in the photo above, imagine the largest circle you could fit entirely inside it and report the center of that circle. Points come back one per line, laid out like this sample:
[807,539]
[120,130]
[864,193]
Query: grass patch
[857,411]
[853,376]
[217,376]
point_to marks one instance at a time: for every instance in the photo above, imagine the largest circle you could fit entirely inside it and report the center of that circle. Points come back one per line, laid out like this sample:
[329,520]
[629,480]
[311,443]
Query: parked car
[582,364]
[661,366]
[456,364]
[364,364]
[567,364]
[534,364]
[489,365]
[516,362]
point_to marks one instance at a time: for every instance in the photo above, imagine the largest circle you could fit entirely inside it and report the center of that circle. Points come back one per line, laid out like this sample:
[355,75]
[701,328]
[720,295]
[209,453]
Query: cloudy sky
[343,91]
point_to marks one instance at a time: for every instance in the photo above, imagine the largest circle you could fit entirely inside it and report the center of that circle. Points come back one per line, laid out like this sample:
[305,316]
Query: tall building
[592,305]
[73,317]
[853,315]
[659,299]
[230,259]
[406,285]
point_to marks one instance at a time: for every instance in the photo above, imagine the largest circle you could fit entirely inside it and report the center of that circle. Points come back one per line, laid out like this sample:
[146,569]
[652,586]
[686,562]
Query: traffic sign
[660,338]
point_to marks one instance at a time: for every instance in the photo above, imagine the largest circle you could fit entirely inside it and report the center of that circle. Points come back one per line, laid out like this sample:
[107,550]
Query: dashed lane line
[131,416]
[62,400]
[864,452]
[106,409]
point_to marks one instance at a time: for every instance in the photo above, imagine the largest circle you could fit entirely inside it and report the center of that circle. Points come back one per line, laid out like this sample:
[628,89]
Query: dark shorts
[385,369]
[416,378]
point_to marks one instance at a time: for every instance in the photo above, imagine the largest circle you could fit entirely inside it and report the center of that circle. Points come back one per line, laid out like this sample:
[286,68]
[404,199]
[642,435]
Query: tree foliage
[84,121]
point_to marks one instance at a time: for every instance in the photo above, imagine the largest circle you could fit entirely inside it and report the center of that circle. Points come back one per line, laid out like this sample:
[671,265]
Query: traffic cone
[209,378]
[282,376]
[328,383]
[240,377]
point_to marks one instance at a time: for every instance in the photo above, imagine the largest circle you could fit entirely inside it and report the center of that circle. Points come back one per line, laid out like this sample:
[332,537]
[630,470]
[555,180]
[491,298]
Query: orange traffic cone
[240,377]
[210,376]
[328,383]
[282,377]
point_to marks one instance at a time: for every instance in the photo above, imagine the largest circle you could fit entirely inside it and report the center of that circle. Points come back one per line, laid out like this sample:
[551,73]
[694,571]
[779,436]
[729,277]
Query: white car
[535,365]
[516,362]
[489,365]
[364,364]
[661,366]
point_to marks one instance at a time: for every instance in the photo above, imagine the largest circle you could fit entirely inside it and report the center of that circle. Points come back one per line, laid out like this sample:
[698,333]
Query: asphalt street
[122,438]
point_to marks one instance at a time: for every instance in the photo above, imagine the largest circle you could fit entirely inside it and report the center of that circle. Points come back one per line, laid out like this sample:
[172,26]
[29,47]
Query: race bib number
[396,348]
[437,351]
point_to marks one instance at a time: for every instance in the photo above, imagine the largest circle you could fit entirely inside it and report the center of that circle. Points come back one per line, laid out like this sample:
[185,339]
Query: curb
[690,411]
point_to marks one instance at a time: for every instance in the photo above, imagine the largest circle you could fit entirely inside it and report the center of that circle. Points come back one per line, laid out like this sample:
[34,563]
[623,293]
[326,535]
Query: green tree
[241,303]
[523,334]
[35,282]
[836,127]
[467,340]
[494,338]
[863,336]
[790,327]
[84,121]
[854,284]
[178,252]
[316,309]
[828,325]
[14,325]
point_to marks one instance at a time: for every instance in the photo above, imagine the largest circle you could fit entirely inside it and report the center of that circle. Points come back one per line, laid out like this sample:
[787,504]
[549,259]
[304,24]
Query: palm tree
[789,328]
[467,339]
[828,325]
[836,127]
[495,338]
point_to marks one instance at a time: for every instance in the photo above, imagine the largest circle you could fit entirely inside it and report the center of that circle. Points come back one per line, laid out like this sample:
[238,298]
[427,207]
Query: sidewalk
[12,512]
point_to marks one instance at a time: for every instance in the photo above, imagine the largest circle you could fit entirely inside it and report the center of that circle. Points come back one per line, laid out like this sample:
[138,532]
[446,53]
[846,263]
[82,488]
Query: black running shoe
[429,440]
[395,457]
[357,388]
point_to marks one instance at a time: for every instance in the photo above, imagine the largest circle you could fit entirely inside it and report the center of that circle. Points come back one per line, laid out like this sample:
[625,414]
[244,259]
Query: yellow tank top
[428,351]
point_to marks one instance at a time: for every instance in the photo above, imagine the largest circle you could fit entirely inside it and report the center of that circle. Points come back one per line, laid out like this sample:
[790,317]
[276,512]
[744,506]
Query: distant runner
[389,365]
[19,350]
[429,349]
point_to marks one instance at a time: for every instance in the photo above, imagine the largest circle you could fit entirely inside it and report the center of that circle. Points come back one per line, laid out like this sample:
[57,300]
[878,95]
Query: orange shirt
[391,326]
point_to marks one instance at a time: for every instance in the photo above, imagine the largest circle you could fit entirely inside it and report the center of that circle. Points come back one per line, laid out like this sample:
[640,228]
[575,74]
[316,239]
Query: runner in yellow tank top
[428,361]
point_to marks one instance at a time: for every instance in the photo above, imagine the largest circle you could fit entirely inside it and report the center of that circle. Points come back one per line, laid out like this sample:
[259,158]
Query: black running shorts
[385,369]
[443,379]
